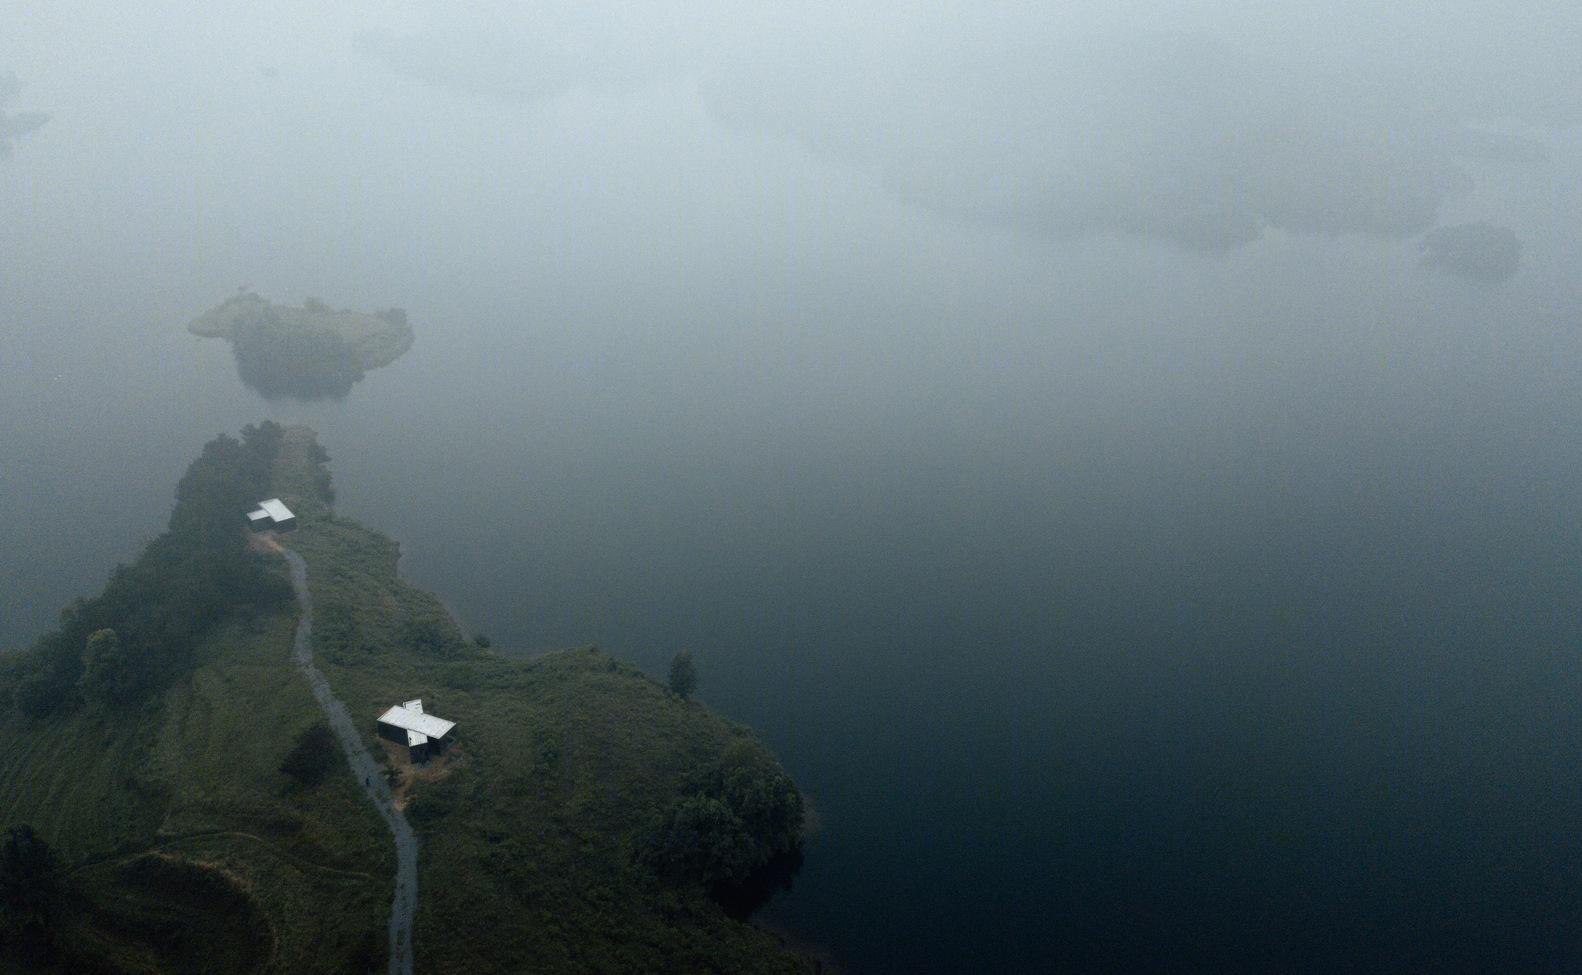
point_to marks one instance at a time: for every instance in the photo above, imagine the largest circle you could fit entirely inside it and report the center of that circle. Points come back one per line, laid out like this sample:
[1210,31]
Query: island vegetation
[1481,251]
[15,125]
[311,352]
[172,800]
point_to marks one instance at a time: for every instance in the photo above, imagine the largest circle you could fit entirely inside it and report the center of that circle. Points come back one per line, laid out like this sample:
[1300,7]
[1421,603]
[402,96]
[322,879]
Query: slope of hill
[171,803]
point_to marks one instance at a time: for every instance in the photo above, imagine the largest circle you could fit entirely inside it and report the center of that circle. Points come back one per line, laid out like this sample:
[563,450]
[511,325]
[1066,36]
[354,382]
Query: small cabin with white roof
[271,514]
[421,734]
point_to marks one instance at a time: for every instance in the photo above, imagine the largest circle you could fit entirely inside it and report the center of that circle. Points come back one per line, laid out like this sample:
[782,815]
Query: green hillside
[184,813]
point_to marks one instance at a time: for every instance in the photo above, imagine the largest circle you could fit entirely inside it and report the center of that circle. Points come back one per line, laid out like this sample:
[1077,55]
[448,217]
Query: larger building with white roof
[272,514]
[421,734]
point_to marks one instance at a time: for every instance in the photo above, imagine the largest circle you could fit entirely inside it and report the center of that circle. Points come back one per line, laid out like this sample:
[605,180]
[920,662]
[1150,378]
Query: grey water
[1119,607]
[403,906]
[1273,670]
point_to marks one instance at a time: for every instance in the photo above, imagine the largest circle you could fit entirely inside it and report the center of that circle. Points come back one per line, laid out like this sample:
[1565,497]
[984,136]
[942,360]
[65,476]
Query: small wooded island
[1483,252]
[310,352]
[172,801]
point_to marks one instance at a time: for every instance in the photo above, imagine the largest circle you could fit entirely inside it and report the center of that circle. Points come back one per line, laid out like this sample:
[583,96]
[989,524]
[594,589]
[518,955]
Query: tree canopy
[138,633]
[29,884]
[740,813]
[27,869]
[110,674]
[313,756]
[683,676]
[305,363]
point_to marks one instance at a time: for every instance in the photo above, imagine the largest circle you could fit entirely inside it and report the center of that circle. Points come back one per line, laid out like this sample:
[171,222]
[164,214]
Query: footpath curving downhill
[364,768]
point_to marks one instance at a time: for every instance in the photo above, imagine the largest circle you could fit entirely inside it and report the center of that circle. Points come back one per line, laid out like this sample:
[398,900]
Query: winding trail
[363,767]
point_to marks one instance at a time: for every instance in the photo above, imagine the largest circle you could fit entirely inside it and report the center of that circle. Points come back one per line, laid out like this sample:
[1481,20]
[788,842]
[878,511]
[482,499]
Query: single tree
[683,677]
[111,670]
[27,870]
[313,756]
[29,883]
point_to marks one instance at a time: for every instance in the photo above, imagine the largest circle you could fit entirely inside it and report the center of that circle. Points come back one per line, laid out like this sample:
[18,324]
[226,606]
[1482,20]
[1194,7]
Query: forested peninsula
[309,352]
[172,801]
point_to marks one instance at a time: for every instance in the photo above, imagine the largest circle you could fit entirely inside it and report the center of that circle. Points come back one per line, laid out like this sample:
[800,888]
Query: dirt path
[363,766]
[167,842]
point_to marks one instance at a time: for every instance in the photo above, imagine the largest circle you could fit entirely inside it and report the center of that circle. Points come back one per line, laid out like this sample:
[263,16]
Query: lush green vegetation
[139,635]
[1481,251]
[315,755]
[29,896]
[309,352]
[306,363]
[682,678]
[13,126]
[588,819]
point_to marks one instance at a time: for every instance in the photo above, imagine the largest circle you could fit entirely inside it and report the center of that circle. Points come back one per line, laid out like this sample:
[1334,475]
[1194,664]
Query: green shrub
[740,813]
[683,676]
[315,753]
[301,362]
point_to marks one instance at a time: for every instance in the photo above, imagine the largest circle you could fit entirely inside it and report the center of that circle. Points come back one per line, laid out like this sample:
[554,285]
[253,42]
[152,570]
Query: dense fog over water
[1045,426]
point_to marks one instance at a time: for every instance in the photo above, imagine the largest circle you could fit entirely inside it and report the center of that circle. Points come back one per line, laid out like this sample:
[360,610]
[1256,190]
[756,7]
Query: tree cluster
[29,887]
[138,634]
[313,756]
[682,678]
[433,635]
[301,362]
[737,815]
[1481,251]
[27,870]
[109,673]
[18,124]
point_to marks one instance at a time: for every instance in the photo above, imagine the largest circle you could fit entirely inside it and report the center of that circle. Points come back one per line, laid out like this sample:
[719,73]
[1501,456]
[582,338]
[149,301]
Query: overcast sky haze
[735,157]
[489,128]
[1056,190]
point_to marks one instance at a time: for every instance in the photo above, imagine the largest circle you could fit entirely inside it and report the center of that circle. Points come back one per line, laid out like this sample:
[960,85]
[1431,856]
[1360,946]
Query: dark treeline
[737,821]
[138,634]
[29,902]
[313,756]
[15,125]
[1481,251]
[305,363]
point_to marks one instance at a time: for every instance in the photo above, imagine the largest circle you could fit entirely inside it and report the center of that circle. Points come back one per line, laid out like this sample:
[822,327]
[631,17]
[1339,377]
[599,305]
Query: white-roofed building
[421,734]
[271,514]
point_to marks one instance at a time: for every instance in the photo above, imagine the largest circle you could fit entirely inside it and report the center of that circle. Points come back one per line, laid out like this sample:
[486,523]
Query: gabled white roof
[275,509]
[410,717]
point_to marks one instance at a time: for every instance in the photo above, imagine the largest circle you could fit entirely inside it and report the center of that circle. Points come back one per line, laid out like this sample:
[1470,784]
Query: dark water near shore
[1227,623]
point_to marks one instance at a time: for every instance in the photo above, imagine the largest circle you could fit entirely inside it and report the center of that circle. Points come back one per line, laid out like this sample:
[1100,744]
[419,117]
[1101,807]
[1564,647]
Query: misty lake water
[1194,614]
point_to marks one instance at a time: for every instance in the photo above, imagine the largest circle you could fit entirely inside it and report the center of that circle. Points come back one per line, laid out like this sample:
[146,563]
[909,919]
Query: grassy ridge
[185,847]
